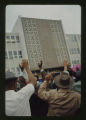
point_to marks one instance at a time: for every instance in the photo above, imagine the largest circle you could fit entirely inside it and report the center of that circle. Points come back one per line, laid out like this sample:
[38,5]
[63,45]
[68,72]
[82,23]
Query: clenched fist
[24,63]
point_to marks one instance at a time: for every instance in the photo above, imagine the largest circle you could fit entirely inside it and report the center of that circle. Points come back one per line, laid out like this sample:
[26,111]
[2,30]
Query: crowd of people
[56,93]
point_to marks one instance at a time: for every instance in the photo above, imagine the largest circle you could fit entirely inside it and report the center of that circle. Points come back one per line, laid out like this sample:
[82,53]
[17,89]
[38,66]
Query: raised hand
[22,69]
[65,63]
[40,64]
[24,64]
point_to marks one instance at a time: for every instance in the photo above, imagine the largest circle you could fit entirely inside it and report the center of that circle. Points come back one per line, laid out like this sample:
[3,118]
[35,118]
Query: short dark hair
[10,83]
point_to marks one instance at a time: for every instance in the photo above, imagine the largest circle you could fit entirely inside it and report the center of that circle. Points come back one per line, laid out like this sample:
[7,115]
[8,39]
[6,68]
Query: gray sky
[69,14]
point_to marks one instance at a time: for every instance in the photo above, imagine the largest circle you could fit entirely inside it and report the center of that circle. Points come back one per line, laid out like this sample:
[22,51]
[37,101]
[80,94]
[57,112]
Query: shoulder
[29,88]
[53,91]
[30,85]
[76,94]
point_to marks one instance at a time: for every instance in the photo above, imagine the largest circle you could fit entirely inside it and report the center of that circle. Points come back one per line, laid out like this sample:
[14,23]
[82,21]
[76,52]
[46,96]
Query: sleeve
[42,93]
[26,91]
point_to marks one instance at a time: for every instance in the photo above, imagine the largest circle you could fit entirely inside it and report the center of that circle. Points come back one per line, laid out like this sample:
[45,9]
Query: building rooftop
[40,18]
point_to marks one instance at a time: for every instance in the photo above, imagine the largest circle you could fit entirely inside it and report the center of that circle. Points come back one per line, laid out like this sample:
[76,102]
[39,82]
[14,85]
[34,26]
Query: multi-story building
[42,39]
[13,52]
[73,42]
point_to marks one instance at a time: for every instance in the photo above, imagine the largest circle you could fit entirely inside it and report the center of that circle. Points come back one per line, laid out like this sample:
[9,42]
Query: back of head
[63,80]
[78,75]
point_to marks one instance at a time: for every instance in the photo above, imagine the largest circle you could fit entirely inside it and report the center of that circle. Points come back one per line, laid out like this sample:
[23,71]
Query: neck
[63,89]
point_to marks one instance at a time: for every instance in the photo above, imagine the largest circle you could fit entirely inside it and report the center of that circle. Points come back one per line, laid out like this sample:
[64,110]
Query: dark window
[15,54]
[17,38]
[20,54]
[8,37]
[78,51]
[12,37]
[75,52]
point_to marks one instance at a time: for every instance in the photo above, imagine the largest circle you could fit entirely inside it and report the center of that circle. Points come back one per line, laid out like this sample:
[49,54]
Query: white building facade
[13,52]
[73,42]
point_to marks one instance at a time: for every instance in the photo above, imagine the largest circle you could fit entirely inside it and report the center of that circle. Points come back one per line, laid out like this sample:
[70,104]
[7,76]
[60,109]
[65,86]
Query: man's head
[63,80]
[78,75]
[10,80]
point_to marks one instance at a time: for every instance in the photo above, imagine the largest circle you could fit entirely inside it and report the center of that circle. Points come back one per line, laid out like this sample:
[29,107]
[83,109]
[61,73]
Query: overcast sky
[69,14]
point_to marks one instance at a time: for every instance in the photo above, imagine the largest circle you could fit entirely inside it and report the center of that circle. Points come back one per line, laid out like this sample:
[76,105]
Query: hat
[63,80]
[10,76]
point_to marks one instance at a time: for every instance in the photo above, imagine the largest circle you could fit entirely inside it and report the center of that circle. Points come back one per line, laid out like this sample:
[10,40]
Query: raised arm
[41,69]
[31,77]
[65,63]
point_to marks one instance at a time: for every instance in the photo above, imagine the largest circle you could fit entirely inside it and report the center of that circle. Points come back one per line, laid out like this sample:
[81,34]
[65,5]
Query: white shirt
[17,103]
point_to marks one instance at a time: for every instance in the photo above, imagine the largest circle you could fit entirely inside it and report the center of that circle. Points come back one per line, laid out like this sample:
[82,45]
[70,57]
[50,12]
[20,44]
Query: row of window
[75,62]
[72,38]
[13,54]
[12,39]
[74,51]
[15,70]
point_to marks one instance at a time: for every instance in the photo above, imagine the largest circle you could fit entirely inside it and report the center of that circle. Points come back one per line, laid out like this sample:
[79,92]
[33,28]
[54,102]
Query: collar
[64,90]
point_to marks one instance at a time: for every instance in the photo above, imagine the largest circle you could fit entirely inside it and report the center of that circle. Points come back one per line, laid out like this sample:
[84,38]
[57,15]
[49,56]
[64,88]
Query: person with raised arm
[17,103]
[62,102]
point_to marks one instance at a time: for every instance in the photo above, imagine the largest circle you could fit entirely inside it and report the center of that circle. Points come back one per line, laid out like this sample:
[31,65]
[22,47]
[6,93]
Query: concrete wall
[52,43]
